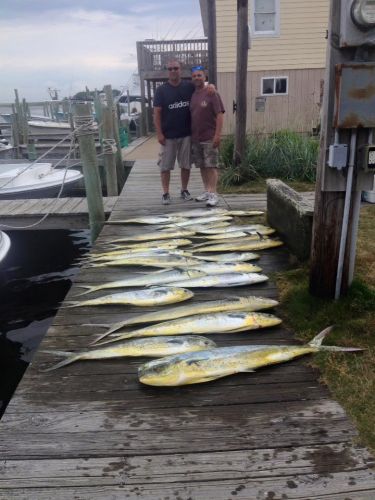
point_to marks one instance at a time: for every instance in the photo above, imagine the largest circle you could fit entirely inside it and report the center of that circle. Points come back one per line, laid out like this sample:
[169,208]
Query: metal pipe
[345,218]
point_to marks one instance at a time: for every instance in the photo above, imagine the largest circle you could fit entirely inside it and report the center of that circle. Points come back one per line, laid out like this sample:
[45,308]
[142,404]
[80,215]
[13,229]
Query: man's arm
[219,126]
[157,123]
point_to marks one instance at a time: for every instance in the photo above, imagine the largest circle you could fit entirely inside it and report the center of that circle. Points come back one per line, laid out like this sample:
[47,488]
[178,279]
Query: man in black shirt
[173,127]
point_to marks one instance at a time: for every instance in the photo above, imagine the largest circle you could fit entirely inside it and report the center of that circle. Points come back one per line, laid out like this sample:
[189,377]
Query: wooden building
[286,61]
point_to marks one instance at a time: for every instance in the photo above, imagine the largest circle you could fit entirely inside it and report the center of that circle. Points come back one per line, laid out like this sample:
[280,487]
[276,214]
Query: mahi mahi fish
[223,280]
[151,219]
[174,242]
[201,220]
[241,245]
[163,278]
[158,235]
[227,257]
[258,228]
[201,212]
[216,363]
[145,297]
[153,347]
[249,303]
[150,260]
[227,267]
[221,322]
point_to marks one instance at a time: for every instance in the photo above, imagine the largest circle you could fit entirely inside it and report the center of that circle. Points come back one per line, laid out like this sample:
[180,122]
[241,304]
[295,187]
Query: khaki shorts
[205,155]
[175,149]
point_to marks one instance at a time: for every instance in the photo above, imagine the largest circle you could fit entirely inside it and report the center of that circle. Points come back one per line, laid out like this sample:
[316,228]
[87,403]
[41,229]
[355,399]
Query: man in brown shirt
[207,116]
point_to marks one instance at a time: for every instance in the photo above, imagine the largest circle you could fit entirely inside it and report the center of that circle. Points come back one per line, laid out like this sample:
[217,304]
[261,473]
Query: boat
[39,180]
[48,127]
[4,245]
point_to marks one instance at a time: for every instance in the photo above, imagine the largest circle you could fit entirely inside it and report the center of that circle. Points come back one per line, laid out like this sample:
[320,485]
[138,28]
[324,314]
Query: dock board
[91,431]
[63,213]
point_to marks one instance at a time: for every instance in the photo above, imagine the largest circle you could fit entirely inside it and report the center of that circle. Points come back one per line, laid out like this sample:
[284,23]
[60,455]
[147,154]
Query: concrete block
[292,217]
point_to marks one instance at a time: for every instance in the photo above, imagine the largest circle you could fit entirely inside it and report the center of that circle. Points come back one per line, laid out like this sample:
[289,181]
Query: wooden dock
[91,431]
[63,213]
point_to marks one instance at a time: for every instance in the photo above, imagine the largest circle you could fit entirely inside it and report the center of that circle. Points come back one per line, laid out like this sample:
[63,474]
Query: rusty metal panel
[355,95]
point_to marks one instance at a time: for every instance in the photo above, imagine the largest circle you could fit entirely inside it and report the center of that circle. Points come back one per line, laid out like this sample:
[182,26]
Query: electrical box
[355,95]
[357,23]
[366,157]
[338,156]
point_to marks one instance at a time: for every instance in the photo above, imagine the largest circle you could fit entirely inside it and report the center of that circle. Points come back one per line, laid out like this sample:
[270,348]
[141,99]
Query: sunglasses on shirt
[173,68]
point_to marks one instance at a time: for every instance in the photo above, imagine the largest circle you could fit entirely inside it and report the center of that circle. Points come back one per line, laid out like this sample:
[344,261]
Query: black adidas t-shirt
[175,108]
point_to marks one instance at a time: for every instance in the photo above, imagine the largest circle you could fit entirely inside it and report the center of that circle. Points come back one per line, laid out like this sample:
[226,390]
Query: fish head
[160,372]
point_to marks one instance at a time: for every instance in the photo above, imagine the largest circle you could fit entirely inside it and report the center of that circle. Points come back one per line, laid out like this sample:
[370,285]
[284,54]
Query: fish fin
[261,237]
[318,339]
[65,354]
[247,370]
[64,362]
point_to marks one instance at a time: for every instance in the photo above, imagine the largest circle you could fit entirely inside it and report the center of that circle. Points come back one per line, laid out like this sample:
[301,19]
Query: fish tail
[122,336]
[103,335]
[89,289]
[317,342]
[70,303]
[71,358]
[318,339]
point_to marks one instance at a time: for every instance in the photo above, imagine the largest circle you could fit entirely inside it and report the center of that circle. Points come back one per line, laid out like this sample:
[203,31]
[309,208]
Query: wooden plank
[179,468]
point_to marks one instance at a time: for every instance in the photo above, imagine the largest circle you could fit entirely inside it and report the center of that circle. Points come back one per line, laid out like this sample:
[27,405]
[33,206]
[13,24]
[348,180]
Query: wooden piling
[116,134]
[83,116]
[109,150]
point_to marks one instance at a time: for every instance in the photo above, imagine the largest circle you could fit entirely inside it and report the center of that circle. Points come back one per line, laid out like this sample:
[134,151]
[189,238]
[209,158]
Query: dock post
[15,131]
[109,151]
[116,134]
[83,118]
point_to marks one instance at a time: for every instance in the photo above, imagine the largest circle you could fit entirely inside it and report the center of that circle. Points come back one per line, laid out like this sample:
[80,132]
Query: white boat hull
[4,245]
[38,181]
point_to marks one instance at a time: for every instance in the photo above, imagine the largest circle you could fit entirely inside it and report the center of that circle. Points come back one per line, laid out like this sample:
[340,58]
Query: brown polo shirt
[204,108]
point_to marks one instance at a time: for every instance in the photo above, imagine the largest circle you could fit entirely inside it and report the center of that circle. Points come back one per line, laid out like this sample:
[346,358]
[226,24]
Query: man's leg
[165,179]
[212,176]
[185,176]
[204,178]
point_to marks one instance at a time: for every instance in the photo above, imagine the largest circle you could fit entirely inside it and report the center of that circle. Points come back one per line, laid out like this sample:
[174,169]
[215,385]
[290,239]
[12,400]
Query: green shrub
[283,154]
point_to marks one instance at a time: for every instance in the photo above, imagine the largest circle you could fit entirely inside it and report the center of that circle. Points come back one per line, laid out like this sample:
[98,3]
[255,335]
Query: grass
[284,154]
[350,377]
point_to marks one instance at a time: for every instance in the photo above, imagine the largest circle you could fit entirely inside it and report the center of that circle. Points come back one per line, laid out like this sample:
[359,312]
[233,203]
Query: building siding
[299,110]
[301,43]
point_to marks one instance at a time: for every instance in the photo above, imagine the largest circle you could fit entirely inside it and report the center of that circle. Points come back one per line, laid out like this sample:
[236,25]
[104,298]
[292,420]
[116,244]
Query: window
[265,19]
[274,85]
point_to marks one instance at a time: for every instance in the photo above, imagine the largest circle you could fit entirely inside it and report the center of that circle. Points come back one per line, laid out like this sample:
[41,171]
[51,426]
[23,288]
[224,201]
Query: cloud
[79,41]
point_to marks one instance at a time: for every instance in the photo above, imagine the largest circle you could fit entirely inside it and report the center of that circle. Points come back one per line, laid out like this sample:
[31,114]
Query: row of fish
[174,333]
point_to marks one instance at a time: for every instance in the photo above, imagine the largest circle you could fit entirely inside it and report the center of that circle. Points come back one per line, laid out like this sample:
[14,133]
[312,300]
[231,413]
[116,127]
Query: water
[35,276]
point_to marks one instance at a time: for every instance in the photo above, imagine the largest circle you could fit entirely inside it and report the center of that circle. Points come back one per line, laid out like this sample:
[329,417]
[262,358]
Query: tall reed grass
[284,154]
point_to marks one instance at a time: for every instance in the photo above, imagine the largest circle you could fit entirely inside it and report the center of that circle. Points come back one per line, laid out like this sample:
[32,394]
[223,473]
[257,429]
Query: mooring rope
[109,147]
[66,157]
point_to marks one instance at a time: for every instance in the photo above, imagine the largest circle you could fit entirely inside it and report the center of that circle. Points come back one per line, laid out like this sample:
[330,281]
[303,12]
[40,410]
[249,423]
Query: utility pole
[211,37]
[344,167]
[241,79]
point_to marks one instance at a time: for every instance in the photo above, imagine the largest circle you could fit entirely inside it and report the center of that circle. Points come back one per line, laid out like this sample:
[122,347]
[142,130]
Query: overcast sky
[68,44]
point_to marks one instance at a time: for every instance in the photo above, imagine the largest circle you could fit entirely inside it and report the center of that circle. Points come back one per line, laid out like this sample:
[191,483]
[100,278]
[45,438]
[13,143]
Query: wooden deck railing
[153,55]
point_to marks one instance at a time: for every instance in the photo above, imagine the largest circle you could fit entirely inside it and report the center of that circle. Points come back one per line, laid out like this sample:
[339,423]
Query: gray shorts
[205,155]
[175,149]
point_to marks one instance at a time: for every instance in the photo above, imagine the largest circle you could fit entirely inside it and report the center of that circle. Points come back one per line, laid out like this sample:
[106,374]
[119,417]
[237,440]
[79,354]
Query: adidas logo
[181,104]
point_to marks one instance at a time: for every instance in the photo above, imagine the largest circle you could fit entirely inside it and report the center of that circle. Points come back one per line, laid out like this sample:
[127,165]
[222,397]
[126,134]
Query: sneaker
[213,200]
[185,195]
[202,197]
[166,199]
